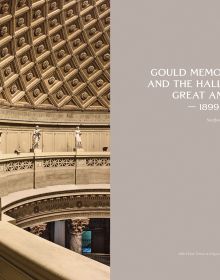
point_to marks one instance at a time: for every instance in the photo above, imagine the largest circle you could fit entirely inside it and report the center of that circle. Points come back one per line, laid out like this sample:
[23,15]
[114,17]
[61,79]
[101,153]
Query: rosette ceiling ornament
[55,54]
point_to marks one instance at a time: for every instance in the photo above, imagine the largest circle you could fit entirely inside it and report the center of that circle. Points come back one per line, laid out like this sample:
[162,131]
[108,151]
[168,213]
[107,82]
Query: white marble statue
[78,141]
[36,138]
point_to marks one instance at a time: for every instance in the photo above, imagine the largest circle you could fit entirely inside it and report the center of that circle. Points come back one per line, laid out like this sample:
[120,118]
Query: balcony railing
[48,169]
[24,256]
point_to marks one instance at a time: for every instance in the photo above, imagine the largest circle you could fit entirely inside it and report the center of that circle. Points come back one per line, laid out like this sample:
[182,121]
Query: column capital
[77,225]
[39,230]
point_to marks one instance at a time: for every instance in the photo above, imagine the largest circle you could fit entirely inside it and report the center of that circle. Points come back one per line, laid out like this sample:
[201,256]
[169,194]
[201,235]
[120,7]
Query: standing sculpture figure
[78,141]
[36,138]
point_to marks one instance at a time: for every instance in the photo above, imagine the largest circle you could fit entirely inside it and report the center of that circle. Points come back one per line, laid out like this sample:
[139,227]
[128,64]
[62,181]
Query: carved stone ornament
[90,69]
[84,95]
[24,59]
[72,28]
[70,13]
[36,92]
[106,56]
[45,64]
[22,3]
[7,71]
[88,18]
[39,230]
[85,4]
[67,68]
[37,31]
[56,38]
[107,20]
[13,89]
[76,42]
[99,83]
[4,52]
[53,5]
[20,22]
[29,76]
[3,30]
[37,14]
[59,94]
[21,41]
[4,8]
[103,7]
[75,82]
[94,204]
[51,80]
[92,31]
[40,48]
[53,22]
[83,56]
[61,53]
[78,225]
[98,44]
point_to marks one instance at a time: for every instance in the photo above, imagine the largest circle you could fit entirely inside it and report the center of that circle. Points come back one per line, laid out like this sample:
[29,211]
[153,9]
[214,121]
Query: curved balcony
[51,169]
[49,187]
[43,205]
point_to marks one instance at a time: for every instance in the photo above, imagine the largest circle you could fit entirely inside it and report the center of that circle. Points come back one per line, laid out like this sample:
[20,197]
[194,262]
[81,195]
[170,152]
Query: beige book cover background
[165,159]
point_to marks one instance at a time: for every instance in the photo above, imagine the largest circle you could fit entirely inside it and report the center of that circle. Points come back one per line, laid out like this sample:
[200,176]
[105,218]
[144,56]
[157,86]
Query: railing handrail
[8,157]
[26,254]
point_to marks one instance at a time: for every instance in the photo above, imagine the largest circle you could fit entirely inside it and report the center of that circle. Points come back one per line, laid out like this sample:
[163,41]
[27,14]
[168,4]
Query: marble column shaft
[76,229]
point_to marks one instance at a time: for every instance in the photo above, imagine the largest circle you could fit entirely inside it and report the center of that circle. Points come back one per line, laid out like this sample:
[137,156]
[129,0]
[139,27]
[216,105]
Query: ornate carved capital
[40,230]
[78,225]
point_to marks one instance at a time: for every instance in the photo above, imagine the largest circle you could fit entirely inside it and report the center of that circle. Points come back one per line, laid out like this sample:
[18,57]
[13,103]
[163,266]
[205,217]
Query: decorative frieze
[97,161]
[74,161]
[17,165]
[68,204]
[58,162]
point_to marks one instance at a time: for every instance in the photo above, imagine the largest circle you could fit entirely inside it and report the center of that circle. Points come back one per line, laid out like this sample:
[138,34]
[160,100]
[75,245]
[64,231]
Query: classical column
[40,230]
[76,227]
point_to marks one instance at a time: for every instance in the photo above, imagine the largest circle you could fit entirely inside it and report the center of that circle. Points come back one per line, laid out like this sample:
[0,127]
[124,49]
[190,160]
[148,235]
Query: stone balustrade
[36,258]
[50,169]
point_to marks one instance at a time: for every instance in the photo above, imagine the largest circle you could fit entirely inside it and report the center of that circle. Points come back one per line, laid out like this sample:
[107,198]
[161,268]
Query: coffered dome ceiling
[55,54]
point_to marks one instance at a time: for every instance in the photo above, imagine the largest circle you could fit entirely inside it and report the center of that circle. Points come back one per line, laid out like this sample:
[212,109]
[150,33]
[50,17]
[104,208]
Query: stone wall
[54,139]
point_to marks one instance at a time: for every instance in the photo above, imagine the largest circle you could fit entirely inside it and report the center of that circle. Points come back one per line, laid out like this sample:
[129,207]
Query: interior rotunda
[55,139]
